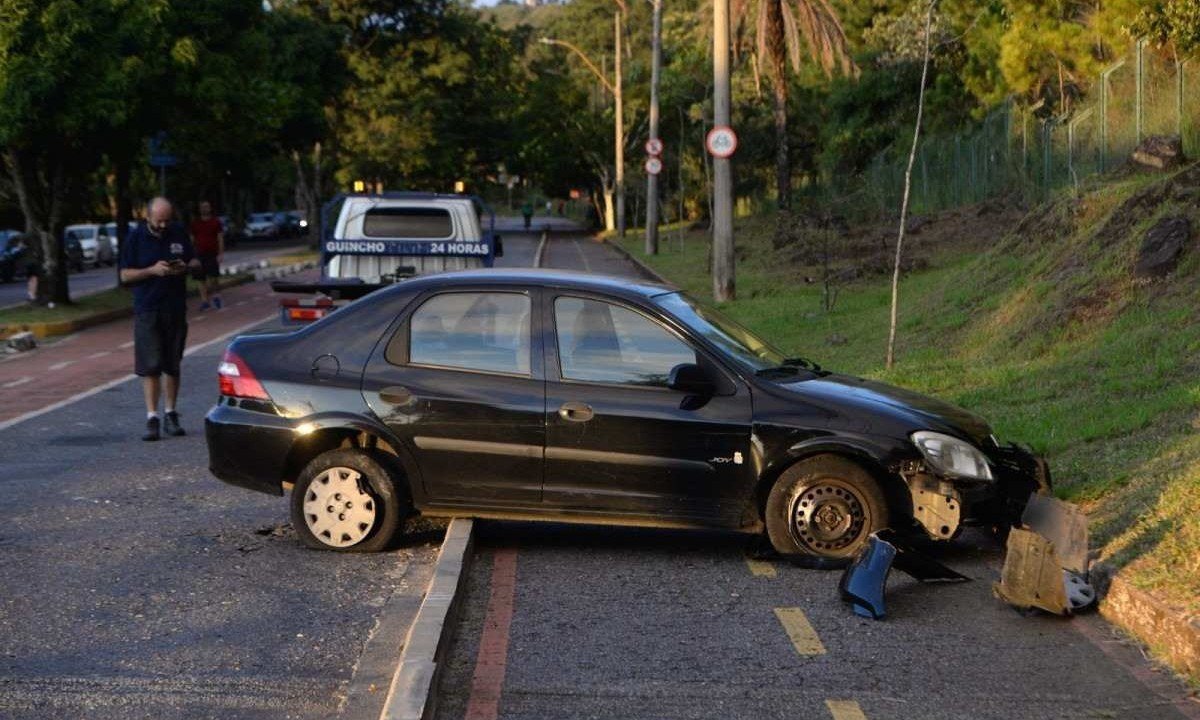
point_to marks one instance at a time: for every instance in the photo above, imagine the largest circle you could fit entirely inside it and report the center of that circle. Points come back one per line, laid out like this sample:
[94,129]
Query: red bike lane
[92,359]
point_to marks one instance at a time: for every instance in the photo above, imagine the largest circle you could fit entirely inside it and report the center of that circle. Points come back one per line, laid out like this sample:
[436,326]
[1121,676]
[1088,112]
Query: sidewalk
[90,358]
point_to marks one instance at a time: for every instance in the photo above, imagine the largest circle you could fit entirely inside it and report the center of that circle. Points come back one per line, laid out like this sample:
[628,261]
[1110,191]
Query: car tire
[826,506]
[371,496]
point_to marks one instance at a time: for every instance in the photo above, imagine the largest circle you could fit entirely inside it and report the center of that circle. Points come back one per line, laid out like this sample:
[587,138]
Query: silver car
[98,246]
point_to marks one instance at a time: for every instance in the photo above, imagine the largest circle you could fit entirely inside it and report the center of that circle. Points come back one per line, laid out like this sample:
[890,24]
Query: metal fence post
[1140,94]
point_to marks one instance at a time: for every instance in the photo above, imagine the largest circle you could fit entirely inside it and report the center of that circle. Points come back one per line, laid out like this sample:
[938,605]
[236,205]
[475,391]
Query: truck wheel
[826,506]
[350,500]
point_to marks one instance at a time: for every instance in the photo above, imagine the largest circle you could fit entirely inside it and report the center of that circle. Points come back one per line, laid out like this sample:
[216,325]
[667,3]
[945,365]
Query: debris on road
[20,342]
[865,581]
[1046,563]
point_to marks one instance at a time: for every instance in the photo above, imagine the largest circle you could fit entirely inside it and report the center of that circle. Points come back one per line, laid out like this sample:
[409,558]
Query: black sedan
[574,397]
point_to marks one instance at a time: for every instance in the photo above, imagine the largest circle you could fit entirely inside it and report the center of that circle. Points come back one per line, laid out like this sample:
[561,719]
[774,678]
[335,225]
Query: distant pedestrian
[527,213]
[549,207]
[154,263]
[208,237]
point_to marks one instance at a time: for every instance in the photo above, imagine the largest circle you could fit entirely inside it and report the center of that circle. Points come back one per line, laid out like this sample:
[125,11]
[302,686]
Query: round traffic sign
[653,165]
[654,146]
[721,141]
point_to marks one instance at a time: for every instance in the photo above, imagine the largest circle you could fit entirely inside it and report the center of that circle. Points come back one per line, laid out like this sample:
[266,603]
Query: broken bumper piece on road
[1046,563]
[865,582]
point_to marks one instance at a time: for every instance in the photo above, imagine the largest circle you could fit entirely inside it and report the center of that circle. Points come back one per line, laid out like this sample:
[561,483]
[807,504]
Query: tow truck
[369,241]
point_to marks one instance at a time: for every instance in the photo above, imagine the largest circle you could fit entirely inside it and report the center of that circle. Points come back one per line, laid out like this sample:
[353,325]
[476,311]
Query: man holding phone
[155,260]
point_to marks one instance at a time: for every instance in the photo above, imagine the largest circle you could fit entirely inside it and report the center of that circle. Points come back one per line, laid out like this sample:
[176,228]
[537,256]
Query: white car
[98,247]
[262,225]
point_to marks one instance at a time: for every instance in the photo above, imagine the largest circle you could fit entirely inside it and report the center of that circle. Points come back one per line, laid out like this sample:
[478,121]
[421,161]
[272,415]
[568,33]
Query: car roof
[542,277]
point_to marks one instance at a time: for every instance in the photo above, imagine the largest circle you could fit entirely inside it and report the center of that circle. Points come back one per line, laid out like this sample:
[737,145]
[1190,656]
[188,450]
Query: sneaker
[171,425]
[151,429]
[204,305]
[217,302]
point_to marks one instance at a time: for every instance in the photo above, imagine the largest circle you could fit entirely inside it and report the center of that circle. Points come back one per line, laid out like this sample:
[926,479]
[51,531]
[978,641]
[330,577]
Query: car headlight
[952,457]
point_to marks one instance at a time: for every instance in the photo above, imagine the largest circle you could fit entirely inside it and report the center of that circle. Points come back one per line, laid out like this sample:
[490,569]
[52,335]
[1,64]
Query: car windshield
[262,217]
[731,337]
[83,233]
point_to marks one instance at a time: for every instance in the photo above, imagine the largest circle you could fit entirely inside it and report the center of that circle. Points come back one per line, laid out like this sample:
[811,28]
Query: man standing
[154,262]
[209,240]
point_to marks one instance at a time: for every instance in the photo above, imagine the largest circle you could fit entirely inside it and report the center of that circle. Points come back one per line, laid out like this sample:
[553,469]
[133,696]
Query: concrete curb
[1173,635]
[411,695]
[539,255]
[649,271]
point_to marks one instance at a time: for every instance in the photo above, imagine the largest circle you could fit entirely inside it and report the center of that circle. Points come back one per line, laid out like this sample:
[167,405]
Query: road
[135,585]
[94,280]
[572,621]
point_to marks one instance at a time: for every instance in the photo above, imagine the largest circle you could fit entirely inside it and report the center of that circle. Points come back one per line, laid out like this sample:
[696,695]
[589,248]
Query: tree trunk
[39,194]
[776,47]
[912,156]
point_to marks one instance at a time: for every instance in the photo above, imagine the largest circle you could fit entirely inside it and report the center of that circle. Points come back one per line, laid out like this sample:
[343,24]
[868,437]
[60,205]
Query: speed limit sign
[653,165]
[654,147]
[721,141]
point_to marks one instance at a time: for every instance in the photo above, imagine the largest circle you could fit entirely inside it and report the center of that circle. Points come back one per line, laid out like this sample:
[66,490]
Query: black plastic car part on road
[576,397]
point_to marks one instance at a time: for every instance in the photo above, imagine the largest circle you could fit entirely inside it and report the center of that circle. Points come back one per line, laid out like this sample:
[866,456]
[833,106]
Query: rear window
[407,223]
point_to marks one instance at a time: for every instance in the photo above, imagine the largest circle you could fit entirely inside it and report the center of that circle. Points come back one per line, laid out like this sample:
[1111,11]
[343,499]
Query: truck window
[409,222]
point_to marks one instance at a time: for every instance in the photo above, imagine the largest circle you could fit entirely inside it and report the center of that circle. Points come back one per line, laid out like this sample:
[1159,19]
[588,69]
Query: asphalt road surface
[573,621]
[135,585]
[94,280]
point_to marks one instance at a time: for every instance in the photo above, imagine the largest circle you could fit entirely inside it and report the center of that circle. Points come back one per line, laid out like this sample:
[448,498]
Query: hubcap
[828,516]
[336,510]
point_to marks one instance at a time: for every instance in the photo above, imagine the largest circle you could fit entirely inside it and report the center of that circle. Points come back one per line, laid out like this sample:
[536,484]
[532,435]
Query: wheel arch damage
[331,433]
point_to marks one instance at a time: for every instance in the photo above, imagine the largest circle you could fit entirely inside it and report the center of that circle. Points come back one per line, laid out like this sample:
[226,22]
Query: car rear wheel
[350,500]
[826,506]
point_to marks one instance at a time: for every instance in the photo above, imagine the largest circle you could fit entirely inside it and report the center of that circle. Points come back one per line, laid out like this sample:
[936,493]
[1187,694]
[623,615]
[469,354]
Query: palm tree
[777,30]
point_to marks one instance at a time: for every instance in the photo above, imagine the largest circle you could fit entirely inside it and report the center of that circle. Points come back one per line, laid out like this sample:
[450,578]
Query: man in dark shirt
[154,261]
[208,237]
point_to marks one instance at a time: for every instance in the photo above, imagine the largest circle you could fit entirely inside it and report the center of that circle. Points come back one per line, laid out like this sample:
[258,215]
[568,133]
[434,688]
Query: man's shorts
[159,337]
[209,267]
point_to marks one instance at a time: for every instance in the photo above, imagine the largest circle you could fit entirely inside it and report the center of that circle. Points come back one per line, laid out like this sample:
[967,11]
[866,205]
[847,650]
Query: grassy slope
[1043,332]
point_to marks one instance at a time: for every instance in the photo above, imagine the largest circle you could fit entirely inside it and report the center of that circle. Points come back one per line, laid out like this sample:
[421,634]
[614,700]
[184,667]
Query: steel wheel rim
[827,516]
[337,510]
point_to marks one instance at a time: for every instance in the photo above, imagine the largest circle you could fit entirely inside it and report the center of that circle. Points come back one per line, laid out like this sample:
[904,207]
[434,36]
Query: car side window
[486,331]
[603,342]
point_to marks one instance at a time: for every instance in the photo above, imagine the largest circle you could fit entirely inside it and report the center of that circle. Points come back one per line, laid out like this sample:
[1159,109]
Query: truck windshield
[731,337]
[407,222]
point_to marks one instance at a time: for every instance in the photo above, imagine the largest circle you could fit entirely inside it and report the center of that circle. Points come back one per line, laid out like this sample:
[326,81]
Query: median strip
[411,693]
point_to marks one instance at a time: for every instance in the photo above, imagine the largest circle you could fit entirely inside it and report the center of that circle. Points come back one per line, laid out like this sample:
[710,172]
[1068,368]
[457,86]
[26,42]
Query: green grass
[1046,336]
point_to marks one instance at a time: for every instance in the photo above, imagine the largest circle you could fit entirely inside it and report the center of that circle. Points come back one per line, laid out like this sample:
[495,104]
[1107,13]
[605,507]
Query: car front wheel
[826,506]
[350,500]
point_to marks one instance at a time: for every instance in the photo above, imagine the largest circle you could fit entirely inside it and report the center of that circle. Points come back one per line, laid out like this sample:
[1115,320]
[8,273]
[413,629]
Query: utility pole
[722,221]
[620,134]
[652,178]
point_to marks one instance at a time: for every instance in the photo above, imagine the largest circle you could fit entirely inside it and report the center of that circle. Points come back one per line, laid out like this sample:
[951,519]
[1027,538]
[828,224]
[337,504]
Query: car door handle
[396,395]
[575,412]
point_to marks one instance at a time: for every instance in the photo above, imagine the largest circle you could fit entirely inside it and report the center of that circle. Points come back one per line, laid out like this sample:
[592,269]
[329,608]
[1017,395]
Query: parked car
[110,229]
[10,255]
[98,248]
[233,234]
[74,250]
[575,397]
[262,225]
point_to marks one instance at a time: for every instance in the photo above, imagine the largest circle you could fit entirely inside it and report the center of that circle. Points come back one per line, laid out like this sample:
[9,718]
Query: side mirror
[498,244]
[690,378]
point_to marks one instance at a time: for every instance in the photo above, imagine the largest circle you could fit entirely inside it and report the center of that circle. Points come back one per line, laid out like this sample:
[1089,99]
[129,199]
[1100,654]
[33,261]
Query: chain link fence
[1030,151]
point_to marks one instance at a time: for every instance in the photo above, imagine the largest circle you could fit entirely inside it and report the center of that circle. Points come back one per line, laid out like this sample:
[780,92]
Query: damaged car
[564,396]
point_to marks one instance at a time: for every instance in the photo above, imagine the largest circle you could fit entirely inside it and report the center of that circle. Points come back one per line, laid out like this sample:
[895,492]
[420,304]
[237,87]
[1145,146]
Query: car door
[461,383]
[617,439]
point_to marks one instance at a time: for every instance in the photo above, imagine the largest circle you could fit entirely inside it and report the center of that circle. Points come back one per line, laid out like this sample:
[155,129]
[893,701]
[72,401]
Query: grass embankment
[1042,330]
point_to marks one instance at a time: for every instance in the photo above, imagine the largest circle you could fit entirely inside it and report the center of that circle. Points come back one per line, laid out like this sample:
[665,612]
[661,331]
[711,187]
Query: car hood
[854,394]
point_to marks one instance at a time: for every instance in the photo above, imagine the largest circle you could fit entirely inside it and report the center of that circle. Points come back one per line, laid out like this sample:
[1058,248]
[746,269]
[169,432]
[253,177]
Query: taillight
[237,379]
[306,309]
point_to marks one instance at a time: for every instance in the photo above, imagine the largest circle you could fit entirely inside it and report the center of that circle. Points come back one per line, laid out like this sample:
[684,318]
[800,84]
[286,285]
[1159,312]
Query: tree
[779,25]
[912,156]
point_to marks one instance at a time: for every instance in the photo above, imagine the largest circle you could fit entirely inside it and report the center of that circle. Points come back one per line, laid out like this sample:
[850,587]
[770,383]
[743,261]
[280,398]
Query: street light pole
[619,150]
[722,247]
[652,178]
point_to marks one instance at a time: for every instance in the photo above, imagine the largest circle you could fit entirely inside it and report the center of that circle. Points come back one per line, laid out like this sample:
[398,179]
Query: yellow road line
[800,631]
[759,568]
[845,710]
